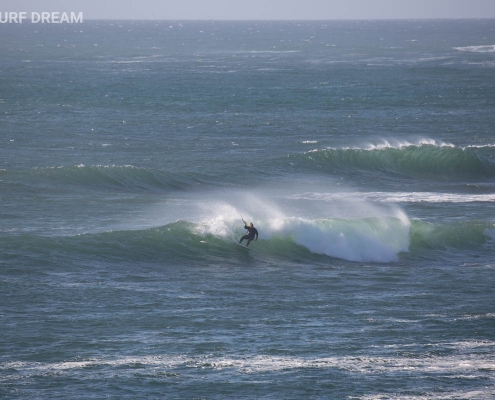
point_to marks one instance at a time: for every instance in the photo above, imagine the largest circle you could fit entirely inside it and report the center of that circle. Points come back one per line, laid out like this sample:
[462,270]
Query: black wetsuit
[250,234]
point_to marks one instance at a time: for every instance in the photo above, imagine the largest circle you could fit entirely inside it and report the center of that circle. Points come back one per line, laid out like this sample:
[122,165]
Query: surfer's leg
[249,239]
[244,237]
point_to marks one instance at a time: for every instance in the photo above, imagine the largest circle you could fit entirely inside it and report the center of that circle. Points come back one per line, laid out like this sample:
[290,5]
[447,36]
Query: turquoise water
[362,151]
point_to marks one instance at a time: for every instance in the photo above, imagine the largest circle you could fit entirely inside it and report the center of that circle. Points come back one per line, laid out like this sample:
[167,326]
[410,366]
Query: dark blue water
[362,151]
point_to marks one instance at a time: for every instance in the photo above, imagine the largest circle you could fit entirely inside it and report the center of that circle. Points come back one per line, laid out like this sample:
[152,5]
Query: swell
[109,177]
[361,240]
[465,235]
[424,160]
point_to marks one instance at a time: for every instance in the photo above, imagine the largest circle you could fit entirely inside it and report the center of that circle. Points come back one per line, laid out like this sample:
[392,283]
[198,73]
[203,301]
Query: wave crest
[426,159]
[477,49]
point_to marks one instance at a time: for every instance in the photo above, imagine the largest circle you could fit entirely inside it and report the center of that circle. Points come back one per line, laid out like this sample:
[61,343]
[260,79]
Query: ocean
[363,153]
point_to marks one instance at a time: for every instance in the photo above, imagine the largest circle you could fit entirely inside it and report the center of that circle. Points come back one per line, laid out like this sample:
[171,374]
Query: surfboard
[237,243]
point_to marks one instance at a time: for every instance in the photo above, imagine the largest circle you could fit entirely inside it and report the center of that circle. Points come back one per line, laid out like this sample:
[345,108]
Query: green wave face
[423,161]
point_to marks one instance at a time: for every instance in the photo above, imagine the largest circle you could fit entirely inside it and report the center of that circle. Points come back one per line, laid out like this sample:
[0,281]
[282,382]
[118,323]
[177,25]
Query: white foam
[428,197]
[478,49]
[401,144]
[460,365]
[393,144]
[363,232]
[457,394]
[376,240]
[399,197]
[221,222]
[480,146]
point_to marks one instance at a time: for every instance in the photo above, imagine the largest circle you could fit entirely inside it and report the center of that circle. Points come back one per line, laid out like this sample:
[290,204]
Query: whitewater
[363,153]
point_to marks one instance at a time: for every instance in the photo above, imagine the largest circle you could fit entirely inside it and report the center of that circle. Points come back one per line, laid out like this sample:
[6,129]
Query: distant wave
[451,236]
[478,49]
[107,177]
[425,159]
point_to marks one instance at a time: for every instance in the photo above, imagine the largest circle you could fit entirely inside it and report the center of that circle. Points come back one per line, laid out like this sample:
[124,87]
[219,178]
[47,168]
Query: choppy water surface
[361,150]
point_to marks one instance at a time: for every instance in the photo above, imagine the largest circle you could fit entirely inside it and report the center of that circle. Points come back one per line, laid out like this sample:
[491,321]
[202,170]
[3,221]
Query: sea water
[362,151]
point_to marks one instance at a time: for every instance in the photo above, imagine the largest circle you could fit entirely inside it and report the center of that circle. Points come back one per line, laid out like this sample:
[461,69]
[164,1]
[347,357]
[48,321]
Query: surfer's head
[251,224]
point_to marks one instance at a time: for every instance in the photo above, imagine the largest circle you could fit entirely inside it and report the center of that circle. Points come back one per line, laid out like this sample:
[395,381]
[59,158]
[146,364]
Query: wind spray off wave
[372,234]
[371,239]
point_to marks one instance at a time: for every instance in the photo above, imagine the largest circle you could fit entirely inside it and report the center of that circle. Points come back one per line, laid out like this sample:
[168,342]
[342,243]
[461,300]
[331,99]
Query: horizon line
[291,19]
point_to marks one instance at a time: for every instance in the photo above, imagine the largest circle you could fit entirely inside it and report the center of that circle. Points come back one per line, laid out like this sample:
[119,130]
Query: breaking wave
[360,240]
[477,49]
[426,159]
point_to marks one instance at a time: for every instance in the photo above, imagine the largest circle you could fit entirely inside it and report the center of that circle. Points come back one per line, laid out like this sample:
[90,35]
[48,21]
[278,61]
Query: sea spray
[372,239]
[364,232]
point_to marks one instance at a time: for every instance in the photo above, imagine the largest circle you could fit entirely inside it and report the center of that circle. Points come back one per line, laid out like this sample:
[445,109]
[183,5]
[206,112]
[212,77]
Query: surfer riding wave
[251,233]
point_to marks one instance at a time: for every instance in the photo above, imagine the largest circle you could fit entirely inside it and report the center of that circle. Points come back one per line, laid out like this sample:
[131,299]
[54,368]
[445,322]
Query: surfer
[251,232]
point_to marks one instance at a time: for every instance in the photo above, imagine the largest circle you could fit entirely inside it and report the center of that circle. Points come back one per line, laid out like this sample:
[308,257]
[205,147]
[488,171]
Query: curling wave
[424,160]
